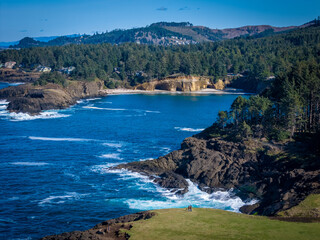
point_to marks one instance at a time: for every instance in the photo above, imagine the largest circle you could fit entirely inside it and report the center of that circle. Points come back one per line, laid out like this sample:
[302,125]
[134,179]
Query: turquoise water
[54,167]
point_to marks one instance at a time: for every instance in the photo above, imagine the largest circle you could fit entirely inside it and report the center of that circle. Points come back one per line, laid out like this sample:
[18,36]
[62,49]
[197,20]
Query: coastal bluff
[32,99]
[200,223]
[251,168]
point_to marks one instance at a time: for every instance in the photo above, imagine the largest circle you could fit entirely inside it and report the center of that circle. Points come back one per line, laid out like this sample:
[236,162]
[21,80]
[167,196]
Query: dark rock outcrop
[34,99]
[250,168]
[110,229]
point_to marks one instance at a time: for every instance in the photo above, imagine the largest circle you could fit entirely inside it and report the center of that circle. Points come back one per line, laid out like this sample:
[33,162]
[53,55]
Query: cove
[54,168]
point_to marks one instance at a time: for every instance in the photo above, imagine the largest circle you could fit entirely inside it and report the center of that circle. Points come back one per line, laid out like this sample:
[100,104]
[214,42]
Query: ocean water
[54,168]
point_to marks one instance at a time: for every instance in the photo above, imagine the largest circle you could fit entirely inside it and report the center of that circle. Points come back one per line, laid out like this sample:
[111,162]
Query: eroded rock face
[182,84]
[33,99]
[218,164]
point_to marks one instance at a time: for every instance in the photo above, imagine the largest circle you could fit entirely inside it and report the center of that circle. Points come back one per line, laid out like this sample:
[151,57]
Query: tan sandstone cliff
[180,83]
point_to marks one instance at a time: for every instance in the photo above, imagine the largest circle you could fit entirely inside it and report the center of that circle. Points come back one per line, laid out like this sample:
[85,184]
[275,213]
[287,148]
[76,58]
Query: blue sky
[34,18]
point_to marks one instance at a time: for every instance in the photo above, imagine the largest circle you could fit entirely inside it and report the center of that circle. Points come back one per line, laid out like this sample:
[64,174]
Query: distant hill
[161,33]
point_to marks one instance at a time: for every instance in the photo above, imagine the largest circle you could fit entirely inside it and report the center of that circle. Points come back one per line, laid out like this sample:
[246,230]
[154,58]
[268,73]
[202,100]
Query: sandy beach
[123,91]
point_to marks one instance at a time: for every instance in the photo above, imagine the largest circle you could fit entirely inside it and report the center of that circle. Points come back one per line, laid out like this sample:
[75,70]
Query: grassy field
[204,223]
[310,207]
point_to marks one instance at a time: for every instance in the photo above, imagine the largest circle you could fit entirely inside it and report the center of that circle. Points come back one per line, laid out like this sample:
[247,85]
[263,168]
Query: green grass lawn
[310,207]
[204,223]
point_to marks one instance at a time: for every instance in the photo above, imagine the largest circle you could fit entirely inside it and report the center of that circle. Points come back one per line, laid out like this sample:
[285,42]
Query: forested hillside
[132,63]
[290,109]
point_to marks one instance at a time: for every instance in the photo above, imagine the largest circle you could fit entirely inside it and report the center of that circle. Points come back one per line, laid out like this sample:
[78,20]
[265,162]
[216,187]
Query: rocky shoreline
[31,99]
[110,229]
[251,168]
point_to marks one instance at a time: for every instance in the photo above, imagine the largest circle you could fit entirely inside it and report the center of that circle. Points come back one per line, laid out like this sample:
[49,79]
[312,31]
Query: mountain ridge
[162,33]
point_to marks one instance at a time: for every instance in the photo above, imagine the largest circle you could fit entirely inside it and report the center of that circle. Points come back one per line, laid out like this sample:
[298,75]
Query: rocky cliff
[180,83]
[251,168]
[33,99]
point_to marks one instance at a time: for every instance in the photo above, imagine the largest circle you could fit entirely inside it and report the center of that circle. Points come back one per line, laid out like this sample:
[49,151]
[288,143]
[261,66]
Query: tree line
[290,107]
[131,63]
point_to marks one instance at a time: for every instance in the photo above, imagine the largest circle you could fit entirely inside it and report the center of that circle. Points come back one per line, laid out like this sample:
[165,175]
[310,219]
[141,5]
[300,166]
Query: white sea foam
[184,129]
[149,111]
[108,109]
[60,199]
[127,175]
[90,106]
[166,150]
[12,116]
[194,197]
[124,174]
[113,145]
[29,163]
[4,102]
[80,101]
[3,106]
[102,168]
[16,83]
[60,139]
[115,156]
[145,159]
[92,99]
[25,116]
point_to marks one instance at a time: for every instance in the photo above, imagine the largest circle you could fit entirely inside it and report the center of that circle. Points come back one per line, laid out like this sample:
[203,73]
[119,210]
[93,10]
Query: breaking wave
[184,129]
[112,156]
[195,197]
[92,99]
[15,84]
[90,106]
[149,111]
[103,168]
[60,139]
[4,102]
[60,199]
[29,163]
[113,145]
[109,109]
[26,117]
[168,199]
[145,159]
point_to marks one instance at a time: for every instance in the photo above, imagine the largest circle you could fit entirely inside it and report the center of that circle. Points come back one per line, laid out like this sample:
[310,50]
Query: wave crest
[60,199]
[29,163]
[195,197]
[184,129]
[26,117]
[60,139]
[115,156]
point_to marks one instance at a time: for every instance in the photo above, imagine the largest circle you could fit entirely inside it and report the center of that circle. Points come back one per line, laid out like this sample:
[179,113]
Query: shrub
[52,77]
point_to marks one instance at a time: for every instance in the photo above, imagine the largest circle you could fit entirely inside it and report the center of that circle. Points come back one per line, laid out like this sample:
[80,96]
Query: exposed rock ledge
[34,99]
[248,167]
[174,83]
[110,229]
